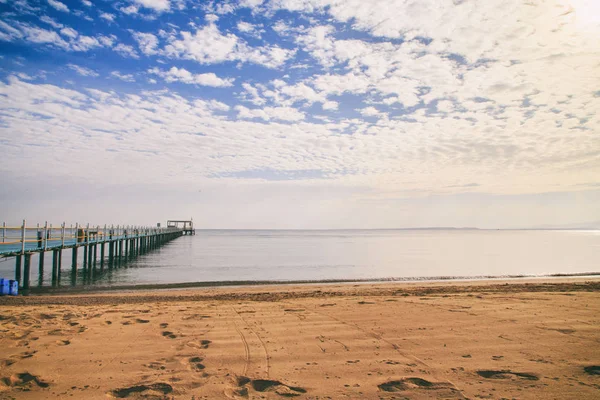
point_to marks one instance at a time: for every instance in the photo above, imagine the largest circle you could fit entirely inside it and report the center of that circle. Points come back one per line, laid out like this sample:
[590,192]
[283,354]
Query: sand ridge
[470,341]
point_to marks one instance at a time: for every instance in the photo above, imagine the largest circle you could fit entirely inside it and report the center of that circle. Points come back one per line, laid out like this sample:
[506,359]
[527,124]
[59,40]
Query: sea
[241,257]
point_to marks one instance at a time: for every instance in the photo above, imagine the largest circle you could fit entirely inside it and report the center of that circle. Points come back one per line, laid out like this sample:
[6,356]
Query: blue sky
[301,114]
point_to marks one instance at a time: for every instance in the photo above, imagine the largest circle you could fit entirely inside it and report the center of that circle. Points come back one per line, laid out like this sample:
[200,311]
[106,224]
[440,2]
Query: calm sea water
[246,255]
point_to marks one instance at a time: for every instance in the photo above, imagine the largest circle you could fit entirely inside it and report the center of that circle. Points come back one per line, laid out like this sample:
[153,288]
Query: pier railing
[124,243]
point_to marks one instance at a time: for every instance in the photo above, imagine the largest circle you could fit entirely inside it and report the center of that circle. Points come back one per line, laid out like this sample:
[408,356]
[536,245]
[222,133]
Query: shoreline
[81,289]
[278,292]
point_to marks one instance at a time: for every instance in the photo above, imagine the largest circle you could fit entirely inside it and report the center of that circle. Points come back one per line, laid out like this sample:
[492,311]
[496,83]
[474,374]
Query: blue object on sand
[4,287]
[13,287]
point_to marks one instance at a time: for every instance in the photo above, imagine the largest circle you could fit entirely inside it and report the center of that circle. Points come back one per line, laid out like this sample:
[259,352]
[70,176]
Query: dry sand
[386,341]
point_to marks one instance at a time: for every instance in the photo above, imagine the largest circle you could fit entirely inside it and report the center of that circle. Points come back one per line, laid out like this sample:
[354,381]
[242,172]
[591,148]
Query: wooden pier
[187,226]
[103,248]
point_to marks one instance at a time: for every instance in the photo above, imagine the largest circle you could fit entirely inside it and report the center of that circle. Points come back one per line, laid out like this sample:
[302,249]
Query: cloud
[190,139]
[129,10]
[58,5]
[107,16]
[69,32]
[318,42]
[83,71]
[270,113]
[209,46]
[147,42]
[369,111]
[155,5]
[182,75]
[123,77]
[51,22]
[250,29]
[71,40]
[330,105]
[86,3]
[126,51]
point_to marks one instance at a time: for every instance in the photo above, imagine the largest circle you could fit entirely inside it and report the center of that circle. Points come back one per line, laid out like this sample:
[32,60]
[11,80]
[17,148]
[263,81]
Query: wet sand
[448,340]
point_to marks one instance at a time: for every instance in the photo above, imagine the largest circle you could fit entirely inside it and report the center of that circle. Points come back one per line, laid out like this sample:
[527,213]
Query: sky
[300,114]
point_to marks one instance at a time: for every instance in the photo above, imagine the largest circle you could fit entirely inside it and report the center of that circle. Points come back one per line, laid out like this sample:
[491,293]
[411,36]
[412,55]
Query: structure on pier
[122,243]
[186,225]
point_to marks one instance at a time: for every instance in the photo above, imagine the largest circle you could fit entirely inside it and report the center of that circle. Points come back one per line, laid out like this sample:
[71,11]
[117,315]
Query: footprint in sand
[27,354]
[592,369]
[506,374]
[266,385]
[153,391]
[169,334]
[164,325]
[142,321]
[203,344]
[23,381]
[155,365]
[443,390]
[196,363]
[63,342]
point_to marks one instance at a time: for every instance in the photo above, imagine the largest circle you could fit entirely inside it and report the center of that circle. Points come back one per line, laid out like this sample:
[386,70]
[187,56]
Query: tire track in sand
[262,343]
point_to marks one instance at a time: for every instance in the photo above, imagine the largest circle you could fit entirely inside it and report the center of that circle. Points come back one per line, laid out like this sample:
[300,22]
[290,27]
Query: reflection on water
[239,255]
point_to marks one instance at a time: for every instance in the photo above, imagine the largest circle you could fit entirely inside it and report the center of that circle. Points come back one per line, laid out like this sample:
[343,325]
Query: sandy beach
[449,340]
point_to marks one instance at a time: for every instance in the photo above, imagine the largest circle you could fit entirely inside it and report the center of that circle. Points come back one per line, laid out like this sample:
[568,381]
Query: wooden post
[74,263]
[3,232]
[27,271]
[18,268]
[110,254]
[41,267]
[95,254]
[54,267]
[84,256]
[102,255]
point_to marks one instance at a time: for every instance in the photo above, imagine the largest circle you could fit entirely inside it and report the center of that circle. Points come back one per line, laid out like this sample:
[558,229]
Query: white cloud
[71,40]
[250,29]
[86,3]
[83,71]
[209,46]
[58,5]
[69,32]
[85,43]
[126,51]
[211,18]
[147,42]
[186,141]
[318,42]
[129,10]
[107,41]
[330,105]
[270,113]
[445,106]
[182,75]
[123,77]
[107,16]
[43,36]
[155,5]
[51,22]
[369,111]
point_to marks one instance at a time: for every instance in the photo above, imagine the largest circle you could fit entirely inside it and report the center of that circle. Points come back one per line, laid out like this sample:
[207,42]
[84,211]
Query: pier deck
[117,245]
